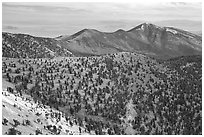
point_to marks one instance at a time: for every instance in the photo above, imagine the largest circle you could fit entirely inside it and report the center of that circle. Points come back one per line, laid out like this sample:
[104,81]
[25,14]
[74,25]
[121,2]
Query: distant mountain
[146,38]
[149,39]
[199,33]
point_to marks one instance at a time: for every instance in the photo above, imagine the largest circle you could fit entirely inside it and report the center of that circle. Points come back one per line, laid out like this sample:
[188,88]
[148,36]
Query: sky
[50,19]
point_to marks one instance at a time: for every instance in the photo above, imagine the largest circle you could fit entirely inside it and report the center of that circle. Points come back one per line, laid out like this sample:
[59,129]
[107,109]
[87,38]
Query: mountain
[27,46]
[120,93]
[148,39]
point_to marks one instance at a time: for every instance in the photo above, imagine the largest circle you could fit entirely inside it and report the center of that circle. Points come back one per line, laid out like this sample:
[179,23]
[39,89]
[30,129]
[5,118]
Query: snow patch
[8,45]
[143,27]
[11,35]
[30,108]
[59,46]
[130,111]
[51,52]
[172,31]
[68,51]
[187,65]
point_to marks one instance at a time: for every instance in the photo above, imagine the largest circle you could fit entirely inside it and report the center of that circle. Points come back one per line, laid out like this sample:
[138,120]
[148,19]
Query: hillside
[26,46]
[120,93]
[23,116]
[148,39]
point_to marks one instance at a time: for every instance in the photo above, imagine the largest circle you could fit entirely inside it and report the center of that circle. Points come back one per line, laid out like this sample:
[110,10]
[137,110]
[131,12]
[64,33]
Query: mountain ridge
[147,38]
[192,32]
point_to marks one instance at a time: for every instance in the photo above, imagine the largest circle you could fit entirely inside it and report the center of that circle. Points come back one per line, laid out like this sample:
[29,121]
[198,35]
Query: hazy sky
[54,19]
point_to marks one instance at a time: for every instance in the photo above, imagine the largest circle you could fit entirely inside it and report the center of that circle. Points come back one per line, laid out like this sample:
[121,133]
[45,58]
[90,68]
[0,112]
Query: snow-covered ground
[172,31]
[22,109]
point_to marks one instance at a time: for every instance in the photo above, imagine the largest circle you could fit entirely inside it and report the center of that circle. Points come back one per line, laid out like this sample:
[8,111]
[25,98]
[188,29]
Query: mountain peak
[144,26]
[85,32]
[90,31]
[119,31]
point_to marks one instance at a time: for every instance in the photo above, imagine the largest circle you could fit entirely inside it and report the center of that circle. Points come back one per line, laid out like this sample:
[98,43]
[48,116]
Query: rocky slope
[148,39]
[121,93]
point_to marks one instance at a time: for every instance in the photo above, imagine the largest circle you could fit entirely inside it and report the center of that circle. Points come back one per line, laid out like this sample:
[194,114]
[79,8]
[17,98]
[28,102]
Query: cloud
[113,25]
[67,18]
[187,4]
[188,25]
[32,6]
